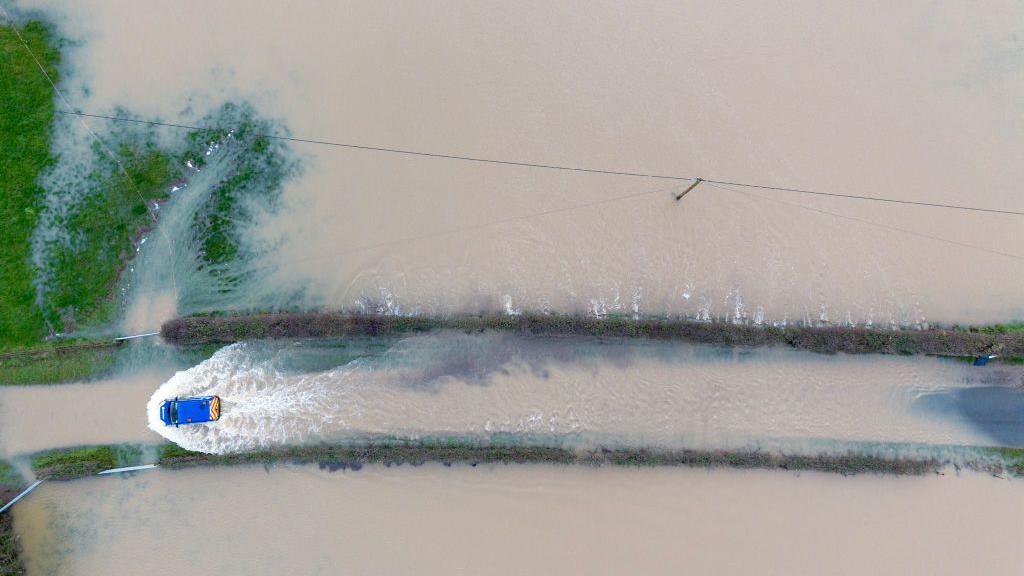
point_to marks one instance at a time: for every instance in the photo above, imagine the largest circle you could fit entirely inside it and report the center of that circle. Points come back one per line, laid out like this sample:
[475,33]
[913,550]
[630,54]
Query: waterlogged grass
[9,476]
[71,463]
[125,195]
[108,205]
[258,168]
[104,228]
[52,365]
[1013,459]
[10,562]
[1002,328]
[26,113]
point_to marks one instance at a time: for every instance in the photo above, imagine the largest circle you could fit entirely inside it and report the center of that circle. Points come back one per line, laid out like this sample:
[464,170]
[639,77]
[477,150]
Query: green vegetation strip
[9,477]
[46,364]
[11,483]
[1012,458]
[71,463]
[10,562]
[850,340]
[451,451]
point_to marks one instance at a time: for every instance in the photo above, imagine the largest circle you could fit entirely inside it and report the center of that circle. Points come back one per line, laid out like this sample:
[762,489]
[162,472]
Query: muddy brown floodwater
[523,520]
[918,101]
[108,411]
[577,390]
[925,107]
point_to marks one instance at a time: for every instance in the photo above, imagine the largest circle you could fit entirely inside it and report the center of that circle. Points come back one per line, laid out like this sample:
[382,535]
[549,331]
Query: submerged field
[79,202]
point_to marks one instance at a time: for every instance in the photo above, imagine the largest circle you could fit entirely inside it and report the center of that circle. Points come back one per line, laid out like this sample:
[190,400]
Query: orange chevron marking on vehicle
[215,408]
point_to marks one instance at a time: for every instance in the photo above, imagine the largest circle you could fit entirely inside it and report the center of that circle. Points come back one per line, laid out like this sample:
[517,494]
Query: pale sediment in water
[571,392]
[530,519]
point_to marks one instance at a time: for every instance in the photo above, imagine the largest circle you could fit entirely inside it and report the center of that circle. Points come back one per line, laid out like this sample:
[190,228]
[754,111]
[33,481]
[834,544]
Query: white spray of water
[256,411]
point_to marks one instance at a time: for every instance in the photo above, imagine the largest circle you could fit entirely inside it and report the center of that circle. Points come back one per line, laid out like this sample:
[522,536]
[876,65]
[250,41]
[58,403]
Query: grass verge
[9,476]
[1013,459]
[11,483]
[828,340]
[391,452]
[71,463]
[10,549]
[48,364]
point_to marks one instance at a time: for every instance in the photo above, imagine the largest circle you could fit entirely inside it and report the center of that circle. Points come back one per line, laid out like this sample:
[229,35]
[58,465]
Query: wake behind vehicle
[190,410]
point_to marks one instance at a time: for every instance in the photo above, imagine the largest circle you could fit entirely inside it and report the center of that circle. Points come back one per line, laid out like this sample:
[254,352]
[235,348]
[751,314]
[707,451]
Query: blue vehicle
[190,410]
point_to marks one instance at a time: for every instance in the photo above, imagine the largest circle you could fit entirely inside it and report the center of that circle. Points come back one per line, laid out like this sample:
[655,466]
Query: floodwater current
[522,520]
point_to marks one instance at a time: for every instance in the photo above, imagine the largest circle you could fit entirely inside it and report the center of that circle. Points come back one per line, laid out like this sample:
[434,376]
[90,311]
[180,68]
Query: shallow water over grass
[525,519]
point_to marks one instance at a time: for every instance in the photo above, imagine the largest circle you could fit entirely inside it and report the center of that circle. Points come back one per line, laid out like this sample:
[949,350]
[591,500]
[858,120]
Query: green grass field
[102,227]
[70,463]
[26,113]
[40,365]
[113,206]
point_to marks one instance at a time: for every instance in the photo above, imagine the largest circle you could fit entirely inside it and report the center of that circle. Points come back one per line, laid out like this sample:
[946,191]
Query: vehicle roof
[194,409]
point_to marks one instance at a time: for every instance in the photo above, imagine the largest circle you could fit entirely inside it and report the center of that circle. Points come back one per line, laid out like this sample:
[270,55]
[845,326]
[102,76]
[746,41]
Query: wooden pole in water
[691,187]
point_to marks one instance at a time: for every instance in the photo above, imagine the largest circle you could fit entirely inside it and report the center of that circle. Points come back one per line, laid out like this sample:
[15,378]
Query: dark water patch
[996,411]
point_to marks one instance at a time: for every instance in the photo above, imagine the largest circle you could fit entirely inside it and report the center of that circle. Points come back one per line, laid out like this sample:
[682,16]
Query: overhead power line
[392,150]
[871,223]
[546,166]
[873,198]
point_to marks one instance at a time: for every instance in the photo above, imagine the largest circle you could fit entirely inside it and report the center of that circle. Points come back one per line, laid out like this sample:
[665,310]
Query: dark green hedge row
[850,340]
[397,452]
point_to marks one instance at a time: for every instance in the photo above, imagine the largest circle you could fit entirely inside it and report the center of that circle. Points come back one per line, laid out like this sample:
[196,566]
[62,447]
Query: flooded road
[35,418]
[580,391]
[554,391]
[927,107]
[523,519]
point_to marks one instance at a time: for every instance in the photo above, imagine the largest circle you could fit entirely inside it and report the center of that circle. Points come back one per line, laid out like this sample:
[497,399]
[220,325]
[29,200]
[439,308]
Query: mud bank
[825,340]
